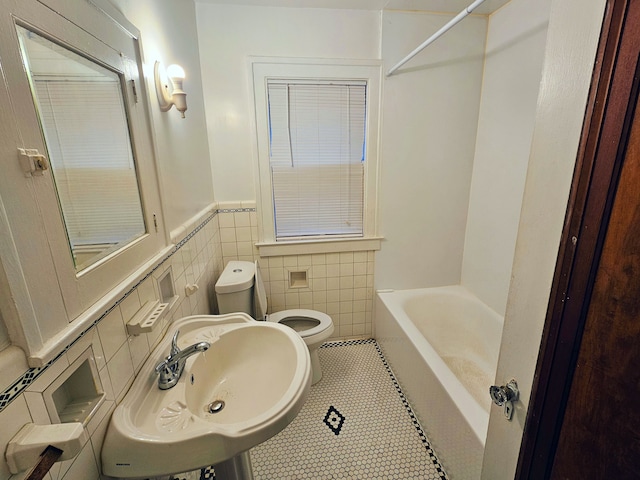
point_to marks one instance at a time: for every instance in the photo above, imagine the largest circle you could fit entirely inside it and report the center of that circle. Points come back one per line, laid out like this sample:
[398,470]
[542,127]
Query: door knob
[504,396]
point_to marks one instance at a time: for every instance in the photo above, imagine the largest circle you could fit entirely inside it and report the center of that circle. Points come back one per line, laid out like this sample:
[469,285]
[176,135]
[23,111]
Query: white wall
[513,67]
[168,33]
[430,114]
[228,35]
[574,28]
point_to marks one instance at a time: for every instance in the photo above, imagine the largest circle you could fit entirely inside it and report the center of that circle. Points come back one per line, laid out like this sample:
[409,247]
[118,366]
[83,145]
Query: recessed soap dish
[146,319]
[298,279]
[165,285]
[76,394]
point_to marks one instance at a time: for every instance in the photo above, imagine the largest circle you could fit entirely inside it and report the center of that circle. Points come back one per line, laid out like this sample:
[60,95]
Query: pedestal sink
[249,385]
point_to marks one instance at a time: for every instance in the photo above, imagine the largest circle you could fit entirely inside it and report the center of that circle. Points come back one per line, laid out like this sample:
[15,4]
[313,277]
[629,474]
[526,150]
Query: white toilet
[240,289]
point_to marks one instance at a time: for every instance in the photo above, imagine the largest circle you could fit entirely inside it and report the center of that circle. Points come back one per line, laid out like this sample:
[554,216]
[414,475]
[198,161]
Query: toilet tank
[234,288]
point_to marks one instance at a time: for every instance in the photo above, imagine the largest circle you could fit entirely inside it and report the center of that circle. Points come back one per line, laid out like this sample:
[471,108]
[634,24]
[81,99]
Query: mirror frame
[118,78]
[47,303]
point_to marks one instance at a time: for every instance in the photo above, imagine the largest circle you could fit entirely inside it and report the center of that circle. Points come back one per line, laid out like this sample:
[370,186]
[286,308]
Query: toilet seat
[318,333]
[310,335]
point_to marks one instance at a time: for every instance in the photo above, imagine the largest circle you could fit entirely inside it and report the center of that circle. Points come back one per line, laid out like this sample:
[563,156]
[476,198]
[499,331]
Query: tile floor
[356,424]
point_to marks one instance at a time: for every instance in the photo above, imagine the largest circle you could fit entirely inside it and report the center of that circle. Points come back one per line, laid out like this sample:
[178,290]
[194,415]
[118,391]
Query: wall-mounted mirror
[84,230]
[84,123]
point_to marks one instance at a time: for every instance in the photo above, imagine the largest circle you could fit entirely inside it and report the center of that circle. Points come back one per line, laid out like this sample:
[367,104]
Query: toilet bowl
[240,289]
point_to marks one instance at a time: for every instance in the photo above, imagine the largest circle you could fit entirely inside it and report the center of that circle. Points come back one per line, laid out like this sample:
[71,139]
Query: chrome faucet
[170,369]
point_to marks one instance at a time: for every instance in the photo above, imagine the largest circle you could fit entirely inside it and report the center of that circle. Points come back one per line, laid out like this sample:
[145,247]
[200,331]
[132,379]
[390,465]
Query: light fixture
[174,96]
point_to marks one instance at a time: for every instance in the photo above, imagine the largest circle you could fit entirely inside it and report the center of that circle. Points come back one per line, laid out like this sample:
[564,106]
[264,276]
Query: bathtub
[442,344]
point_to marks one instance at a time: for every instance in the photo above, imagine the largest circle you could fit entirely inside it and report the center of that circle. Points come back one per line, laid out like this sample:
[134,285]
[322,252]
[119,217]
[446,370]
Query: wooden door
[600,434]
[584,413]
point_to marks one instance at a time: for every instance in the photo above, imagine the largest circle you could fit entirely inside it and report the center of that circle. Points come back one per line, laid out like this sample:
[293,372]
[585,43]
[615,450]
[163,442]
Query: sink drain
[215,406]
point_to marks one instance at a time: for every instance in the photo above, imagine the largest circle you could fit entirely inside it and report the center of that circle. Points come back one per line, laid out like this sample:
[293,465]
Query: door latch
[32,161]
[504,396]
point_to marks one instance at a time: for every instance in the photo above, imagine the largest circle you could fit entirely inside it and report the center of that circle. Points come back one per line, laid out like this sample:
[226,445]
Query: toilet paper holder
[29,444]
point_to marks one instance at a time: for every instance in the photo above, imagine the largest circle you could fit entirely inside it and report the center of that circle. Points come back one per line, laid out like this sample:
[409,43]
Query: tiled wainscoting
[118,356]
[339,284]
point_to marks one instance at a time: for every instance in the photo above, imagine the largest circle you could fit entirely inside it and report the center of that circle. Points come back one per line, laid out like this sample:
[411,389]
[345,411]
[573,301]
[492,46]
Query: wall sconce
[176,96]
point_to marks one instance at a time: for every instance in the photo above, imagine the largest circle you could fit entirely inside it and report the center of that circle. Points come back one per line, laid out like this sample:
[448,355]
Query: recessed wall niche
[76,394]
[298,279]
[165,286]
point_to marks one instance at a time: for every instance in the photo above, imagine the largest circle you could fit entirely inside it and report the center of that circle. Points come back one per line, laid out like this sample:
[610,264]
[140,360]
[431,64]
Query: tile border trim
[412,415]
[19,385]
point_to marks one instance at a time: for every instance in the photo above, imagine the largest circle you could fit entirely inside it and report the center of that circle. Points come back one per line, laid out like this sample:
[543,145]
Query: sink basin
[249,385]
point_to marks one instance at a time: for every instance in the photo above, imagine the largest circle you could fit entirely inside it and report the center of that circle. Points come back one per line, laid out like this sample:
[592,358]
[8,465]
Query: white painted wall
[227,36]
[574,28]
[513,67]
[430,113]
[168,34]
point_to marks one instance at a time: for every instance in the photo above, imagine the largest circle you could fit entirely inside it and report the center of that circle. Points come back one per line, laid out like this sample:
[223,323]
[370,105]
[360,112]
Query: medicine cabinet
[80,208]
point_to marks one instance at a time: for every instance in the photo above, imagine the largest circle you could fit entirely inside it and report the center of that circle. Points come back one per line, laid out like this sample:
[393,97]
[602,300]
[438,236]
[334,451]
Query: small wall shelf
[147,318]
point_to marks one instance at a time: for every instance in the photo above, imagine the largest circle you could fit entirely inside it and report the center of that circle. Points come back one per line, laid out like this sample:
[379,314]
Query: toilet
[240,289]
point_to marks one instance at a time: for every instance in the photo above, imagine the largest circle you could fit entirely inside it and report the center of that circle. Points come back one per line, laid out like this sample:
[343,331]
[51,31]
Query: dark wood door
[600,434]
[583,420]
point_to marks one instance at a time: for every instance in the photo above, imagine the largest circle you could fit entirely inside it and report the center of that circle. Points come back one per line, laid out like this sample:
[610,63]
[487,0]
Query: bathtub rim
[475,415]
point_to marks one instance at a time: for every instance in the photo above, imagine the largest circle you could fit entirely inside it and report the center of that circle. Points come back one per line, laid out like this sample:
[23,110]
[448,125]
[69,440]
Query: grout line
[20,384]
[208,472]
[403,398]
[414,419]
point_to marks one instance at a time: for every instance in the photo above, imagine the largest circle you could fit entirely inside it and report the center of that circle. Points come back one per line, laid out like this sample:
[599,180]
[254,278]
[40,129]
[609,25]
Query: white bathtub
[442,344]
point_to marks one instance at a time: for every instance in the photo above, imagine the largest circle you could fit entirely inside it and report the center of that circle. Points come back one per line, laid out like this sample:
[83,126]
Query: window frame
[264,69]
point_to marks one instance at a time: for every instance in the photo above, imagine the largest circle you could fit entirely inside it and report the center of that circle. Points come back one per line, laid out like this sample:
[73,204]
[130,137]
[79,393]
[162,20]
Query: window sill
[306,247]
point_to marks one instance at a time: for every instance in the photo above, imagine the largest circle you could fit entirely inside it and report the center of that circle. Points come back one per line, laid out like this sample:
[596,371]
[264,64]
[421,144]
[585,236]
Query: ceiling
[444,6]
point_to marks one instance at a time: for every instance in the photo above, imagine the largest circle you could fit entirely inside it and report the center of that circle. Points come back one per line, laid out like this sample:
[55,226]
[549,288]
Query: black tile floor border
[414,419]
[396,384]
[209,474]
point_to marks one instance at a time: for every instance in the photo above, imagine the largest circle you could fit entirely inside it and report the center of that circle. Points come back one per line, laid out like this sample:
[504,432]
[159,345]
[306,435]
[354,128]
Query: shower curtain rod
[436,35]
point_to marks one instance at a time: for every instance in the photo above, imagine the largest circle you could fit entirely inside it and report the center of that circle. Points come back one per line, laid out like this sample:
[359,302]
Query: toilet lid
[322,320]
[259,296]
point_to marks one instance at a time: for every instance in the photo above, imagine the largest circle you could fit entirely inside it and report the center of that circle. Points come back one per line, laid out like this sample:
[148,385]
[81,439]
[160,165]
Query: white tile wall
[339,284]
[12,419]
[118,355]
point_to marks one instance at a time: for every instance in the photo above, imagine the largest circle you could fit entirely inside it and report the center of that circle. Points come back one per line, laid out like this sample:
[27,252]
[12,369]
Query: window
[316,156]
[317,148]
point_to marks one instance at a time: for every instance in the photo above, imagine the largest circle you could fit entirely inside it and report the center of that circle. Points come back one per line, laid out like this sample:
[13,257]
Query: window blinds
[317,138]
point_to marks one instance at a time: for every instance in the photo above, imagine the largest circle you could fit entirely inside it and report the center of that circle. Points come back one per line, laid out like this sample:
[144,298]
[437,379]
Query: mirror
[83,119]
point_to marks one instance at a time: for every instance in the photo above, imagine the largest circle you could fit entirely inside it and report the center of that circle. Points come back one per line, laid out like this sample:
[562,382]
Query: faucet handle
[160,367]
[164,364]
[174,343]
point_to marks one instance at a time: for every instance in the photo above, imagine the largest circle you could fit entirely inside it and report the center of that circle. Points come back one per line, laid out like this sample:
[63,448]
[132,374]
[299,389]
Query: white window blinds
[317,154]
